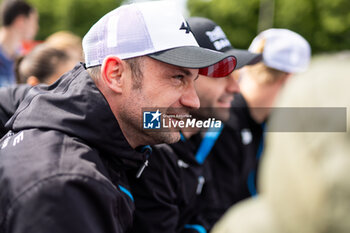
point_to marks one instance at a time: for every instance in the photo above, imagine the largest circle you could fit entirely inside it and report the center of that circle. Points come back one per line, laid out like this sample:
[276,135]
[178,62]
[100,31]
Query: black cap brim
[211,63]
[244,57]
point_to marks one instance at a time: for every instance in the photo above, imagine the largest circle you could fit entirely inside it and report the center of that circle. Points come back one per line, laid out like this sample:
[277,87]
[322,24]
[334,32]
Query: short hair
[41,62]
[67,41]
[64,40]
[11,9]
[135,65]
[94,72]
[263,74]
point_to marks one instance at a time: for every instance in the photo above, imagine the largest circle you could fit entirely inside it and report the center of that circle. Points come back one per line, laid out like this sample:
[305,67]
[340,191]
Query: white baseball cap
[283,50]
[156,29]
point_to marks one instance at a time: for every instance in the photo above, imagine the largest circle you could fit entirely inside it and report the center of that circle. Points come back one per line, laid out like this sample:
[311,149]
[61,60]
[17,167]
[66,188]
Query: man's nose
[232,82]
[190,98]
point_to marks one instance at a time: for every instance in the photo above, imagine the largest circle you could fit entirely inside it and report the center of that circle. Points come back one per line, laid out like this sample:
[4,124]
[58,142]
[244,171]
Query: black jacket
[10,98]
[166,196]
[251,139]
[166,193]
[63,165]
[234,161]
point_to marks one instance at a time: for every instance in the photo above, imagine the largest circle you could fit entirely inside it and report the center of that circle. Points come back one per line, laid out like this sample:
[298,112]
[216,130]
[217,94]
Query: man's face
[162,86]
[31,26]
[216,94]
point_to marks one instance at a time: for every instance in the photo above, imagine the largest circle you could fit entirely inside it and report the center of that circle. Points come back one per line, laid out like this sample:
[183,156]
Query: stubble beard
[131,116]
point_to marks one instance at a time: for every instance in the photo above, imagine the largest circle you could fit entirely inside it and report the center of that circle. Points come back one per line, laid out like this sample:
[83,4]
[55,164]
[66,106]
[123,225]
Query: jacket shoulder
[30,159]
[66,203]
[10,98]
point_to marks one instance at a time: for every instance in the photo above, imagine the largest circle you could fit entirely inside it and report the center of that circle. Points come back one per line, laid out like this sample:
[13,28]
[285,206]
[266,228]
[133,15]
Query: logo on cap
[185,26]
[151,120]
[218,38]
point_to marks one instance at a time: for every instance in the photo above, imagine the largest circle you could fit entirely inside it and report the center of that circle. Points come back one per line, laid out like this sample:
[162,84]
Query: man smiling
[65,159]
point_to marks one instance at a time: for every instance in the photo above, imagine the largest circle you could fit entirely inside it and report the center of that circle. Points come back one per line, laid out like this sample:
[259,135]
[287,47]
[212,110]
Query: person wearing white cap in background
[70,145]
[303,179]
[285,53]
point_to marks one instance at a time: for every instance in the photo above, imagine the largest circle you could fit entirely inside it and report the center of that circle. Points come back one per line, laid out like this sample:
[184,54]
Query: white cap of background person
[156,29]
[282,50]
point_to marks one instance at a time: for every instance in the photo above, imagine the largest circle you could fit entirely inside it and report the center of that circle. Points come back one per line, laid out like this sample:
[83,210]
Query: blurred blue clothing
[7,74]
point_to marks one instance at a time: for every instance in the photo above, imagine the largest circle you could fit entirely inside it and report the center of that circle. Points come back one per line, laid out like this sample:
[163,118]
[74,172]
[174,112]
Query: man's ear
[32,80]
[111,71]
[285,77]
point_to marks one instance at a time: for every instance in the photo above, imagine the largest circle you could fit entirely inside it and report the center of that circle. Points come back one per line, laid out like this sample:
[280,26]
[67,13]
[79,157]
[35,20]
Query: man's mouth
[226,101]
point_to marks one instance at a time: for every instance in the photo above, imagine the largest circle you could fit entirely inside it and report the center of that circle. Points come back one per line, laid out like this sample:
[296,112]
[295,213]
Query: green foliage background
[324,23]
[73,15]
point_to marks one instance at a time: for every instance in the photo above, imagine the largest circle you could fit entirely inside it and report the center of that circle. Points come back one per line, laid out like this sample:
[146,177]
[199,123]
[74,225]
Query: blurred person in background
[233,160]
[69,42]
[19,23]
[303,182]
[44,64]
[285,53]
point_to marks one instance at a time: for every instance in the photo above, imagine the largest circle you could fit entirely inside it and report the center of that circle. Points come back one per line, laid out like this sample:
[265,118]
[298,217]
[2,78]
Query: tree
[324,23]
[238,19]
[76,16]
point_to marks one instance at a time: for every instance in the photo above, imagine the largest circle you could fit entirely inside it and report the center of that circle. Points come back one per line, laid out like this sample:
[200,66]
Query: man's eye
[178,76]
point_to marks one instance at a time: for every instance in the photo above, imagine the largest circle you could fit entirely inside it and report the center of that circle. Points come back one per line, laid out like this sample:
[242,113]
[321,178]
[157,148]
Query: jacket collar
[75,106]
